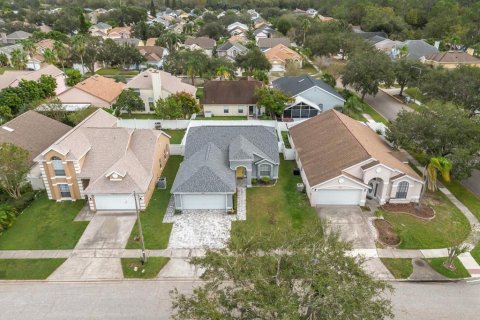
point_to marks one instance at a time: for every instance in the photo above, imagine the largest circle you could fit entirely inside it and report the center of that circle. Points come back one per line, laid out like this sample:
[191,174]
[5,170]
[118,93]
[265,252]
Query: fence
[150,123]
[177,149]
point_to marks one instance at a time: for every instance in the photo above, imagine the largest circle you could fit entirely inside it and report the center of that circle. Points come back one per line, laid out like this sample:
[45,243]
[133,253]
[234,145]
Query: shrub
[23,202]
[265,180]
[178,211]
[8,216]
[254,181]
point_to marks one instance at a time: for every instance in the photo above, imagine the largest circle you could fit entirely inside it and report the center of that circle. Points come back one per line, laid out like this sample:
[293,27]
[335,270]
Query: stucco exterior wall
[70,177]
[162,155]
[75,96]
[233,110]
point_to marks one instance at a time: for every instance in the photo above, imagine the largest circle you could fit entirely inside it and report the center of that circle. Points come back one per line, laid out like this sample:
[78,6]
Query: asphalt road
[151,300]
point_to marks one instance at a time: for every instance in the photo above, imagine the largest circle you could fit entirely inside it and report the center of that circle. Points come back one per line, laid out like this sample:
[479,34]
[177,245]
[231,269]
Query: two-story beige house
[105,164]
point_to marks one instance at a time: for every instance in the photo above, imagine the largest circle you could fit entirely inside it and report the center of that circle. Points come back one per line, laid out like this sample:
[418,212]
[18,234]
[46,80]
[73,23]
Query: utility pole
[140,231]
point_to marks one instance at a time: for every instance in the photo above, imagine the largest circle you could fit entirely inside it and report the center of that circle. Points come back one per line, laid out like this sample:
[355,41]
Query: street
[151,300]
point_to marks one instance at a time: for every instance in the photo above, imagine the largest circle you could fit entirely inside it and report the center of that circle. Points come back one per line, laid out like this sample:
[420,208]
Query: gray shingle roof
[265,43]
[227,45]
[208,152]
[418,49]
[296,85]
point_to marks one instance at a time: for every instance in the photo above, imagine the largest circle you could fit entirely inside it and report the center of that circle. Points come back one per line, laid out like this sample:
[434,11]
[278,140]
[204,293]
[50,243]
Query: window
[402,190]
[240,110]
[151,104]
[225,110]
[265,170]
[64,190]
[58,167]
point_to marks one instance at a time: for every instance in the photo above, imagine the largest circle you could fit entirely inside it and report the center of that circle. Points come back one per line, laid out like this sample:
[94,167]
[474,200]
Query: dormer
[116,176]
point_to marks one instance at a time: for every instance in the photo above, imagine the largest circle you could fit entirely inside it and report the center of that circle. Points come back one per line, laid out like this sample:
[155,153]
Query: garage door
[115,202]
[337,197]
[201,201]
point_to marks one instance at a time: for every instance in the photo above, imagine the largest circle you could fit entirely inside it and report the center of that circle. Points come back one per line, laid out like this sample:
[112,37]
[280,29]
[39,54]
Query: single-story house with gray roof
[217,158]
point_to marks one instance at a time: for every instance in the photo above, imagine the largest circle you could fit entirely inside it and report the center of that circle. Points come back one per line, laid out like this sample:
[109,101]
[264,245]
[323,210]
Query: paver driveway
[352,224]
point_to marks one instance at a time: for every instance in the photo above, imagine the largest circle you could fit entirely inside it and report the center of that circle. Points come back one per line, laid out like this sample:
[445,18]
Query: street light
[143,257]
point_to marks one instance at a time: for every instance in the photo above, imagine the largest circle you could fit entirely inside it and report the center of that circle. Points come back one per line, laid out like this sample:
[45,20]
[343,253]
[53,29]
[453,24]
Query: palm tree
[403,51]
[61,52]
[306,24]
[440,164]
[168,40]
[50,56]
[188,28]
[30,48]
[223,72]
[18,59]
[79,46]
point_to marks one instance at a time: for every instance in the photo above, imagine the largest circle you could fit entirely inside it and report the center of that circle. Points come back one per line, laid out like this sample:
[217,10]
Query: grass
[476,253]
[448,227]
[200,93]
[3,69]
[374,114]
[152,267]
[458,273]
[116,72]
[176,135]
[400,268]
[222,118]
[155,232]
[28,269]
[280,206]
[45,224]
[140,116]
[470,200]
[285,139]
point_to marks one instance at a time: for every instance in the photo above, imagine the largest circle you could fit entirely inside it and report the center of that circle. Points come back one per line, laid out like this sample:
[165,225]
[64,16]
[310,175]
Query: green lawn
[400,268]
[28,269]
[448,227]
[280,206]
[374,114]
[3,69]
[470,200]
[285,139]
[152,267]
[200,93]
[460,271]
[116,72]
[45,224]
[476,253]
[140,116]
[176,135]
[222,118]
[155,232]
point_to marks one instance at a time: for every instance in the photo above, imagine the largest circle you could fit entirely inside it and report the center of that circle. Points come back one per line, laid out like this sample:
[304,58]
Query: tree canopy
[14,166]
[128,101]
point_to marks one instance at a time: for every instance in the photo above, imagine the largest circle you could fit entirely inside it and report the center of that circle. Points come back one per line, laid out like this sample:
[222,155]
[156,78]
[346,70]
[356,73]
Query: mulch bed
[424,212]
[386,233]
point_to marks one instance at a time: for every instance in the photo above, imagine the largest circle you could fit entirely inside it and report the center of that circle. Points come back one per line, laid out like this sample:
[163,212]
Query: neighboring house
[386,45]
[153,84]
[93,16]
[239,38]
[100,29]
[13,78]
[259,23]
[154,55]
[280,55]
[205,44]
[344,162]
[231,50]
[33,63]
[416,50]
[325,18]
[452,59]
[231,97]
[105,164]
[33,132]
[135,42]
[263,33]
[15,37]
[265,44]
[253,14]
[97,91]
[312,96]
[237,28]
[312,12]
[219,157]
[120,33]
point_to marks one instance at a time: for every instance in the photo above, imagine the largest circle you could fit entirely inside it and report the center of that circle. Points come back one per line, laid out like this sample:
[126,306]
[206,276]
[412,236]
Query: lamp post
[140,231]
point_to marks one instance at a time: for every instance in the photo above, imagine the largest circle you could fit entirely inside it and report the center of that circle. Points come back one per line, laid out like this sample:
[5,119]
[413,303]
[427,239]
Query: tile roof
[101,87]
[202,42]
[296,85]
[331,142]
[453,57]
[169,82]
[11,78]
[272,42]
[282,53]
[32,131]
[230,91]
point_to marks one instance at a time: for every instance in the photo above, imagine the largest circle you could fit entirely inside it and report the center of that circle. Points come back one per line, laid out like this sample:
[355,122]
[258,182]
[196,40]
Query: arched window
[265,170]
[58,167]
[402,190]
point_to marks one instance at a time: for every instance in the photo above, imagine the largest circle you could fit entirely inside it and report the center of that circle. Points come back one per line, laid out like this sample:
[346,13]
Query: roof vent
[300,80]
[8,129]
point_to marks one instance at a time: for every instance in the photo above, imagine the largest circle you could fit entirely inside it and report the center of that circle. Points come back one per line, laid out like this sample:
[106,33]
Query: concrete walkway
[470,264]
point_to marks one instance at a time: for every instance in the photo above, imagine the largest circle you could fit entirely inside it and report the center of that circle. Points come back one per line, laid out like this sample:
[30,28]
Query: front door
[373,187]
[241,172]
[250,110]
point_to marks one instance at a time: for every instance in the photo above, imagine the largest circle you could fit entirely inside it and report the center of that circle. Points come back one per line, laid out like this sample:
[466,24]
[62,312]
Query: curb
[393,97]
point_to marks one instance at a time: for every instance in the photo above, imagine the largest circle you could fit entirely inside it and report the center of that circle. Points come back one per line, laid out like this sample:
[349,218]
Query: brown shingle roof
[231,92]
[33,132]
[151,53]
[202,42]
[104,88]
[332,142]
[452,57]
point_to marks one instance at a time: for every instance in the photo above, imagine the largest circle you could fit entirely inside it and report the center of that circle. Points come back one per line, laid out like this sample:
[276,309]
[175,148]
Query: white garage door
[203,201]
[115,202]
[337,197]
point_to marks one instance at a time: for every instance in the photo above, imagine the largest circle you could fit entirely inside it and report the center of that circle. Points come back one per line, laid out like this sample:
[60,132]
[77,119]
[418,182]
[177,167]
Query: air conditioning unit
[300,187]
[162,183]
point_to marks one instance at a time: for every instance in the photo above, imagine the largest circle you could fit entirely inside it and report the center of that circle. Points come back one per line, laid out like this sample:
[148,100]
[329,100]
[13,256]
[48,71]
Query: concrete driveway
[352,224]
[106,231]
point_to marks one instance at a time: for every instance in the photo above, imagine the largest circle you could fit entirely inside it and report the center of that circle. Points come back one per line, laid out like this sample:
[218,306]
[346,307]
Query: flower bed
[386,233]
[424,212]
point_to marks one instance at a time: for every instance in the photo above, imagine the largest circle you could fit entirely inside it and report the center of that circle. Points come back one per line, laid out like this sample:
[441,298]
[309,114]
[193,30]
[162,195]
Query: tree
[62,52]
[284,25]
[8,215]
[55,110]
[365,71]
[439,131]
[170,40]
[3,59]
[18,59]
[306,24]
[176,106]
[408,72]
[329,79]
[78,116]
[260,76]
[14,166]
[73,77]
[5,114]
[223,72]
[253,60]
[284,274]
[30,48]
[50,56]
[79,47]
[84,24]
[442,165]
[153,12]
[212,30]
[47,86]
[128,101]
[273,100]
